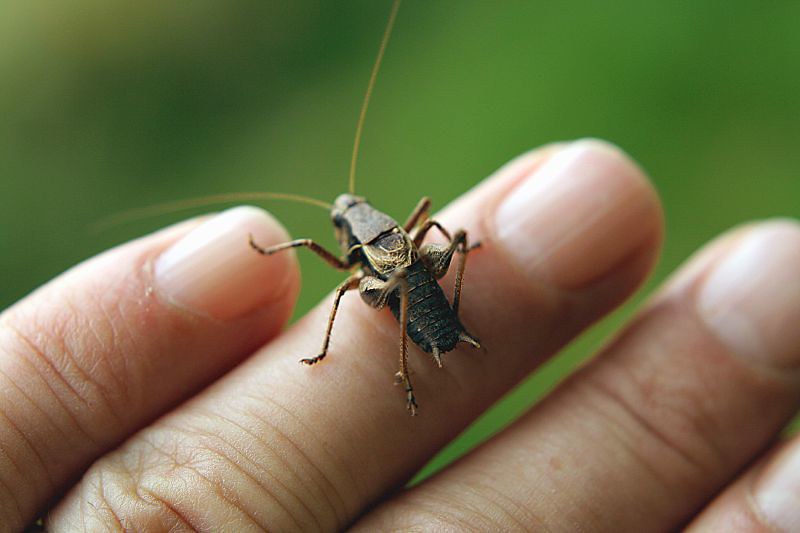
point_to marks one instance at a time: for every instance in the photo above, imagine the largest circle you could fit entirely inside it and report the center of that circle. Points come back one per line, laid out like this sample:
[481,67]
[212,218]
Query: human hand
[659,430]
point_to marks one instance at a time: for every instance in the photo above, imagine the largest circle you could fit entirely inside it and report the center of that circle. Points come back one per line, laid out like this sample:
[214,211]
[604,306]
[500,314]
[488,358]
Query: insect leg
[371,290]
[463,250]
[346,285]
[419,235]
[437,259]
[331,259]
[419,220]
[402,375]
[376,292]
[420,212]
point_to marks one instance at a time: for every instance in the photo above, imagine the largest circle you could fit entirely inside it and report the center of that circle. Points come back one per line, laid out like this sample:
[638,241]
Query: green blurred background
[106,106]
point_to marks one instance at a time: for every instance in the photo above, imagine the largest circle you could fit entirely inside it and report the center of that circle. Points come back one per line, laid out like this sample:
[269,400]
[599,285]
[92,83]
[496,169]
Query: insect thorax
[390,251]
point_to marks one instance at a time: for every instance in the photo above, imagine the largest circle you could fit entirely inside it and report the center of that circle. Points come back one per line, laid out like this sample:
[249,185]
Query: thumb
[106,347]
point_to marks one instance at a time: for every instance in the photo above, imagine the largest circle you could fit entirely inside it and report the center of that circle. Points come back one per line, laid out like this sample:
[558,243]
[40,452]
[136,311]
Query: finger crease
[225,456]
[338,511]
[107,507]
[146,494]
[214,487]
[26,439]
[41,356]
[650,428]
[268,446]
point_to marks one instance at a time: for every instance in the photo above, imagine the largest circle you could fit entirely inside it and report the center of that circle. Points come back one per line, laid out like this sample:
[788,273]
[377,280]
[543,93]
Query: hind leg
[437,259]
[402,375]
[376,292]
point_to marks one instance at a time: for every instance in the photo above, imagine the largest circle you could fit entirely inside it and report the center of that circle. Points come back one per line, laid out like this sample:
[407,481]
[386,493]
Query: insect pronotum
[389,264]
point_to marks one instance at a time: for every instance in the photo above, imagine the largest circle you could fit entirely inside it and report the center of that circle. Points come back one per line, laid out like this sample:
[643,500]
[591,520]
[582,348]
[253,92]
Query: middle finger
[644,434]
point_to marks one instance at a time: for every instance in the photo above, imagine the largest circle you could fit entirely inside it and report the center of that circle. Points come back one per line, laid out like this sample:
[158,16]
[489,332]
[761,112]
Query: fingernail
[214,271]
[751,300]
[777,491]
[584,210]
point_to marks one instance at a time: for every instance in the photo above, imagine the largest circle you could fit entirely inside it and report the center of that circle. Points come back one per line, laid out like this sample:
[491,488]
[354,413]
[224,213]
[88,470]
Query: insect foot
[411,401]
[398,376]
[312,360]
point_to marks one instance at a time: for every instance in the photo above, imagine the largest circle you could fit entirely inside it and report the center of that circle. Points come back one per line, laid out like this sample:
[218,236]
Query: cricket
[391,267]
[389,264]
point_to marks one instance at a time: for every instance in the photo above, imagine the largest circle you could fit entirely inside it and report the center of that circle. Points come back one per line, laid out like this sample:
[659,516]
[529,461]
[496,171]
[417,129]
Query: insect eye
[337,220]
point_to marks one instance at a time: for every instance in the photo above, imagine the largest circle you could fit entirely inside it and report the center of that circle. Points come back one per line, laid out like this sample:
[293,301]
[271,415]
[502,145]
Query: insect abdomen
[431,320]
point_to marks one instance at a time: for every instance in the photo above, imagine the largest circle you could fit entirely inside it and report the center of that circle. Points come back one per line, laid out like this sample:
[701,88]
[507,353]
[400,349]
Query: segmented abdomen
[431,320]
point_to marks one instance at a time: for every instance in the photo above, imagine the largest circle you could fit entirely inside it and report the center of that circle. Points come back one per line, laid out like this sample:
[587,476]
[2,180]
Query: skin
[154,388]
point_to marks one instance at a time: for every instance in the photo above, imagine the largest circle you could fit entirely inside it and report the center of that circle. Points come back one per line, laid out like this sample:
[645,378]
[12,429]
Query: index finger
[102,350]
[568,233]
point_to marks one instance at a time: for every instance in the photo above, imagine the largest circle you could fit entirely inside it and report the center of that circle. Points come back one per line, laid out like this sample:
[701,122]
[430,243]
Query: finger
[567,234]
[101,350]
[765,498]
[639,439]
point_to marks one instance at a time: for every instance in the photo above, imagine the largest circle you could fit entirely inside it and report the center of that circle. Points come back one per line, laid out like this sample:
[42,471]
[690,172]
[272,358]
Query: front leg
[376,293]
[348,284]
[331,259]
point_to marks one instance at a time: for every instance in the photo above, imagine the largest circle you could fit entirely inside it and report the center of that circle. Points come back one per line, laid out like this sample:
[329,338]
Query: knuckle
[212,470]
[115,495]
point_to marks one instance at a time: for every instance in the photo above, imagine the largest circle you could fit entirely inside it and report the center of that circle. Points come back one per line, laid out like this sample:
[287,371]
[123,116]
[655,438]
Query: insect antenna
[190,203]
[365,104]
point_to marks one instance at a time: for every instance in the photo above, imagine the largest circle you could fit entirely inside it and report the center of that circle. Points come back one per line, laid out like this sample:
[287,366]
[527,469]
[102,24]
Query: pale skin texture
[670,425]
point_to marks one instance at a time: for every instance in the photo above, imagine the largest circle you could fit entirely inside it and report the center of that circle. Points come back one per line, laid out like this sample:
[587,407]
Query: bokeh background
[107,106]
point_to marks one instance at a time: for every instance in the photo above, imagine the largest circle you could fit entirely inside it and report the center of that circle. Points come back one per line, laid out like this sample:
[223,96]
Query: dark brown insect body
[382,248]
[393,268]
[432,324]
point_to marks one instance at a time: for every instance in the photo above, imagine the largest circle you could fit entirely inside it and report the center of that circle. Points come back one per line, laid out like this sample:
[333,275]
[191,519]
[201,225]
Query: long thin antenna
[189,203]
[357,143]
